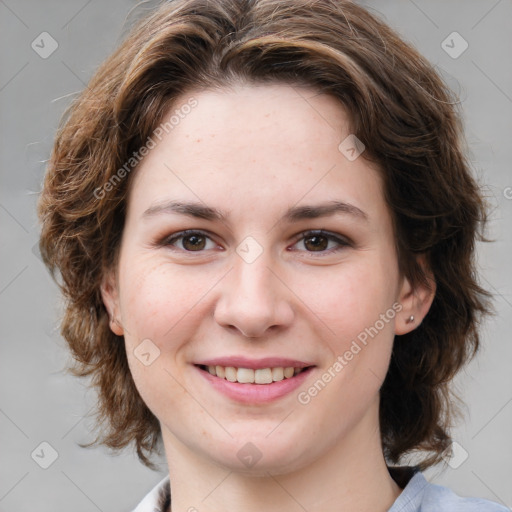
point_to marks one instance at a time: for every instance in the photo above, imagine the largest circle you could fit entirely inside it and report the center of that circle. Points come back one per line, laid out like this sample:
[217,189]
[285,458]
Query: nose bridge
[253,280]
[253,299]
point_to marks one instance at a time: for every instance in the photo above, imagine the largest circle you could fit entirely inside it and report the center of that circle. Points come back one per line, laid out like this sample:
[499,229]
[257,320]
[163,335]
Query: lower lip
[256,393]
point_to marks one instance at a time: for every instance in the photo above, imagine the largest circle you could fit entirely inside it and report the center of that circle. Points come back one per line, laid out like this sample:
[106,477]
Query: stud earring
[410,320]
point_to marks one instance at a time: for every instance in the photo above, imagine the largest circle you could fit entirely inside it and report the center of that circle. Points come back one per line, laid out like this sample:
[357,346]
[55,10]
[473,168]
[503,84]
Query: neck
[352,475]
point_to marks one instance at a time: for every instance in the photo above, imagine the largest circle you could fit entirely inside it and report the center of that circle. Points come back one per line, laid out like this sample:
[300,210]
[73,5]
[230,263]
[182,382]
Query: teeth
[230,373]
[220,371]
[250,376]
[262,376]
[288,372]
[277,374]
[245,375]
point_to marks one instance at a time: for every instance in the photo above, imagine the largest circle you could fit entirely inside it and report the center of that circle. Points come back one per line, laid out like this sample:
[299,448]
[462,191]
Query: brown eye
[321,242]
[194,242]
[316,243]
[190,241]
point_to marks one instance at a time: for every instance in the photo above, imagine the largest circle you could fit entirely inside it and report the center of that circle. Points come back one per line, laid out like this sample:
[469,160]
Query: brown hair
[399,108]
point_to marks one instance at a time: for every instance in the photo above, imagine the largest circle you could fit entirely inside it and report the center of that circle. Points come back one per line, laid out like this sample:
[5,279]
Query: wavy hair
[398,106]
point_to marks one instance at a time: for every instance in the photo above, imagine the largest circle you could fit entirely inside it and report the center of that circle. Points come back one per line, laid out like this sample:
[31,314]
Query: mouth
[260,376]
[254,386]
[254,381]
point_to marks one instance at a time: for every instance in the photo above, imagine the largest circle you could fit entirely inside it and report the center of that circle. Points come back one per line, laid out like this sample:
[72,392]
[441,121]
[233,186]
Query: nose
[253,299]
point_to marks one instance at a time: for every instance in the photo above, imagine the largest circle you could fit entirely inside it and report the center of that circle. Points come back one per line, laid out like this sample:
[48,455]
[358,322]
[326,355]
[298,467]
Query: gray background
[40,403]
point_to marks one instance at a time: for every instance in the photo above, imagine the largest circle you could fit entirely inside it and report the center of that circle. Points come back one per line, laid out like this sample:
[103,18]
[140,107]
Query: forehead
[270,143]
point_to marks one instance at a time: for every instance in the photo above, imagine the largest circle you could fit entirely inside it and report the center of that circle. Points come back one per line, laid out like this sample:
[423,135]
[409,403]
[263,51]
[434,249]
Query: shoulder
[421,496]
[441,498]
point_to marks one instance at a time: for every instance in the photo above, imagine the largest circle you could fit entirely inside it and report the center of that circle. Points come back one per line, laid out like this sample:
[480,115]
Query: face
[253,243]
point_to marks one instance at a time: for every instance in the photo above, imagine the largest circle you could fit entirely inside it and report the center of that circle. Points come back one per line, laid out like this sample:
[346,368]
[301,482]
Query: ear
[415,300]
[110,296]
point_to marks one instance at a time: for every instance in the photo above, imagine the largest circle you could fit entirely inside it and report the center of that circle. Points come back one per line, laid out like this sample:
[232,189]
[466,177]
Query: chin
[258,457]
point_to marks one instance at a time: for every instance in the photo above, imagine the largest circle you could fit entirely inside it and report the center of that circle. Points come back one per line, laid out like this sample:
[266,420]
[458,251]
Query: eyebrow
[293,214]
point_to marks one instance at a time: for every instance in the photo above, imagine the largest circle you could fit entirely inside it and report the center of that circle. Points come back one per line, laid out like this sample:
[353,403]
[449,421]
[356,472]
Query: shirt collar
[159,498]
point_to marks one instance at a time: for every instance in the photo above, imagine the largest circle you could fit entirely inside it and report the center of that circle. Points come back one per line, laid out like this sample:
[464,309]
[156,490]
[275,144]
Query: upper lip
[254,364]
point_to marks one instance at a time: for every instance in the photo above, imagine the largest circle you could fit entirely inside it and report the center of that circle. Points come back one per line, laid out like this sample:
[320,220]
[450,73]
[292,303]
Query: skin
[253,152]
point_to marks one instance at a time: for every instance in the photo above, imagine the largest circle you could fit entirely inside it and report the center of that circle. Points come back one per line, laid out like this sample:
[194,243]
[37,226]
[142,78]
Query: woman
[264,223]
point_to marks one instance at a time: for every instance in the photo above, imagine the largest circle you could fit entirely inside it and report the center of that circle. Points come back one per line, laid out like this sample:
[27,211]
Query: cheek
[355,306]
[160,308]
[351,297]
[167,305]
[156,297]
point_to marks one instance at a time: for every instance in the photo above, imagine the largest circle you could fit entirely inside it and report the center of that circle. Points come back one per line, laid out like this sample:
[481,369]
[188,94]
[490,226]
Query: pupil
[318,243]
[194,242]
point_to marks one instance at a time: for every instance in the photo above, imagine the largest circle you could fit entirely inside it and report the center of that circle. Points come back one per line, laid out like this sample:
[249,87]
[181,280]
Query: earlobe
[110,296]
[416,301]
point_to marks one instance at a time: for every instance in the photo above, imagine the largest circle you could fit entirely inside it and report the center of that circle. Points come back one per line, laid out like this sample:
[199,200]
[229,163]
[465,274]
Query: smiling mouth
[250,376]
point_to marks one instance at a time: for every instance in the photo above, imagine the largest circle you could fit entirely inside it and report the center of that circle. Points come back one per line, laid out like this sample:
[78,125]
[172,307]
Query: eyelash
[342,241]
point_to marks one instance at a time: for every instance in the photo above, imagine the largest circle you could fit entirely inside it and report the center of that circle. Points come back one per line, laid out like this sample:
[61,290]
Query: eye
[191,241]
[316,241]
[321,242]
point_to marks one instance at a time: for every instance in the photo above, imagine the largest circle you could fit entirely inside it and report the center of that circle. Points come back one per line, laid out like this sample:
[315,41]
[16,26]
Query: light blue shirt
[421,496]
[418,496]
